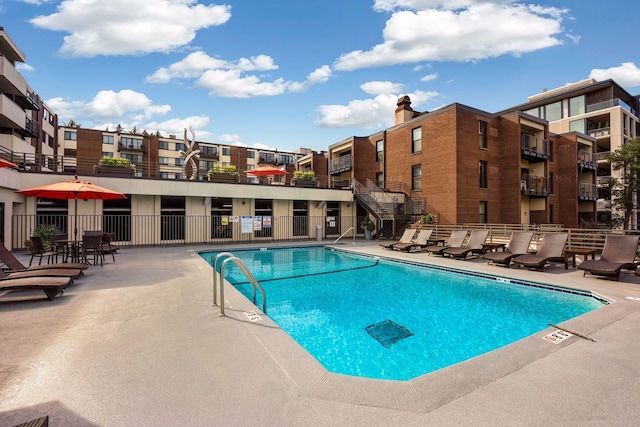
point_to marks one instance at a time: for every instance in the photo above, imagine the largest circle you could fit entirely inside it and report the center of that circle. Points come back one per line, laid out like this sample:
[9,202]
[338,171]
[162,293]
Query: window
[107,154]
[416,177]
[70,135]
[482,211]
[133,143]
[163,160]
[107,139]
[179,175]
[576,106]
[416,140]
[164,175]
[483,174]
[226,151]
[136,159]
[226,164]
[577,126]
[163,145]
[379,151]
[70,152]
[267,158]
[300,218]
[380,179]
[179,162]
[180,146]
[482,134]
[251,154]
[553,111]
[251,167]
[221,209]
[286,159]
[208,151]
[172,212]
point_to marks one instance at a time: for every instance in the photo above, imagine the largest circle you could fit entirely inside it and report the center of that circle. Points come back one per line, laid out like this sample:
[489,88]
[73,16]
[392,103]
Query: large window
[116,218]
[577,126]
[107,139]
[576,106]
[135,159]
[163,145]
[133,143]
[483,174]
[226,151]
[70,135]
[379,150]
[482,211]
[300,218]
[416,177]
[416,140]
[553,111]
[482,134]
[221,209]
[172,215]
[264,208]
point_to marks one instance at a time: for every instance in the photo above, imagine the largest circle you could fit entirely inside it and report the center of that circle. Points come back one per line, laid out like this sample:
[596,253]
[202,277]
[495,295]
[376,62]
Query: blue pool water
[391,320]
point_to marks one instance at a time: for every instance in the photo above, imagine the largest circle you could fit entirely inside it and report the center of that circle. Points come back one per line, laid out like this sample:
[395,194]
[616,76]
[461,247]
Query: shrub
[304,175]
[115,162]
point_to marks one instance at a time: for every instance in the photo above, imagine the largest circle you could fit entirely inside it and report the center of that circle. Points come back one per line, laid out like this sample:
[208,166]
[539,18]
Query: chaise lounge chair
[551,250]
[619,252]
[474,245]
[420,242]
[15,265]
[52,286]
[456,240]
[406,237]
[518,245]
[51,272]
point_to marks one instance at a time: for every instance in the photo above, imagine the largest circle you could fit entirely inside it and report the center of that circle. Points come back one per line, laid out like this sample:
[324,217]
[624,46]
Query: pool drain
[388,332]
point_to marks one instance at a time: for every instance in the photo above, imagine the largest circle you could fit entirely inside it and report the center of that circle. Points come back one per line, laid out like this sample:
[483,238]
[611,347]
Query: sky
[287,74]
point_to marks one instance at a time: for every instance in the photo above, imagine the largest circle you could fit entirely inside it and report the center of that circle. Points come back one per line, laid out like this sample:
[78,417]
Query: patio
[137,342]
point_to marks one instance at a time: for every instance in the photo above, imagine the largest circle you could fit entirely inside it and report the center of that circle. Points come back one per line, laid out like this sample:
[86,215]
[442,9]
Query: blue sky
[306,73]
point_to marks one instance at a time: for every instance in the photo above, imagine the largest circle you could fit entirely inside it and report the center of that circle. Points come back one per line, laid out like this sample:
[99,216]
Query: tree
[624,188]
[72,124]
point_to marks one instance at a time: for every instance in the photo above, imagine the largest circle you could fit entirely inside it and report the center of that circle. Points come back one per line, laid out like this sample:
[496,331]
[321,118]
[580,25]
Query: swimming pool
[385,319]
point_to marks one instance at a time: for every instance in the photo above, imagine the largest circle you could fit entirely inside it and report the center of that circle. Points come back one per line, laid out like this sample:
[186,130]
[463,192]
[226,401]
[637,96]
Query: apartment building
[601,109]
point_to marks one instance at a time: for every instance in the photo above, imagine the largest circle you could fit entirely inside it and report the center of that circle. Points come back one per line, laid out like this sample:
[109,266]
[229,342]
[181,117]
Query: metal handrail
[343,234]
[215,275]
[248,275]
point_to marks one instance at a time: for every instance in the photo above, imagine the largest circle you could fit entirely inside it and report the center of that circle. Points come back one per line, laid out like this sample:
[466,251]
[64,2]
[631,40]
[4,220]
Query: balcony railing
[587,160]
[603,156]
[339,165]
[534,147]
[603,180]
[532,185]
[617,102]
[587,192]
[600,132]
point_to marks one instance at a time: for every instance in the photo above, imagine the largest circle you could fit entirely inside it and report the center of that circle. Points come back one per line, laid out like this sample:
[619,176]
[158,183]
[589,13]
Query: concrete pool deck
[137,342]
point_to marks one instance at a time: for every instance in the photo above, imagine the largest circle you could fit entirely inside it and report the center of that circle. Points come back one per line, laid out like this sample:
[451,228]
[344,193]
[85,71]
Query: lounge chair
[551,250]
[406,237]
[518,245]
[14,264]
[46,272]
[52,286]
[474,245]
[419,242]
[619,252]
[456,240]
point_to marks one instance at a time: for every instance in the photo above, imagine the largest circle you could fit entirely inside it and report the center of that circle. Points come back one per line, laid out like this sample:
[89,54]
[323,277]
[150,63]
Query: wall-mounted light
[243,202]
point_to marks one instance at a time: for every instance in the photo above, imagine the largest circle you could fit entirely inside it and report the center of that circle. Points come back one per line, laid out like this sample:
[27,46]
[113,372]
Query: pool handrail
[249,276]
[215,275]
[342,235]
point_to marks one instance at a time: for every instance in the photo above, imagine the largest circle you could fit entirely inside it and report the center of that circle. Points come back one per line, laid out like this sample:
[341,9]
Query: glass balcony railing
[617,102]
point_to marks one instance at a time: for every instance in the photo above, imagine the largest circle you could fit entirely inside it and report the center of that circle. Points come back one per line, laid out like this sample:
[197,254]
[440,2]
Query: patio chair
[38,249]
[518,245]
[551,250]
[456,240]
[14,264]
[92,246]
[108,247]
[420,242]
[474,245]
[406,237]
[59,246]
[52,286]
[619,252]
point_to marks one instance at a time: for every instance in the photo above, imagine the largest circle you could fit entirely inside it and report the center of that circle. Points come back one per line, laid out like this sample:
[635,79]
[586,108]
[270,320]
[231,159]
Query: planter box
[114,171]
[304,183]
[219,177]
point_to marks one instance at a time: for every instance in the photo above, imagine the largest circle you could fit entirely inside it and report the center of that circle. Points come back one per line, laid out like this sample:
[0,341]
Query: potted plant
[426,219]
[304,178]
[222,173]
[114,166]
[368,226]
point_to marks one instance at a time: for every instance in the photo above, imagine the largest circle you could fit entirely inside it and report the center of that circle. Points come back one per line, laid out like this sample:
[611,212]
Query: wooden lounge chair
[474,245]
[456,240]
[52,286]
[406,237]
[14,264]
[518,245]
[619,252]
[48,272]
[419,242]
[551,250]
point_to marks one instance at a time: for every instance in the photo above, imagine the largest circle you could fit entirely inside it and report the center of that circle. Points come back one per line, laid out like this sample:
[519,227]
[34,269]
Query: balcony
[604,181]
[29,101]
[31,129]
[587,160]
[209,153]
[617,102]
[603,205]
[534,148]
[131,147]
[587,192]
[339,165]
[534,186]
[600,132]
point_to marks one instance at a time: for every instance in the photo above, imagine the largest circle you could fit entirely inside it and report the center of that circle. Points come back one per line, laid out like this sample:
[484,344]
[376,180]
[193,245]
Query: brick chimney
[404,112]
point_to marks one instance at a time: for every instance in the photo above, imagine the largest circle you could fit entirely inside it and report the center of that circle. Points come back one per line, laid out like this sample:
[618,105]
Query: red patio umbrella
[266,171]
[7,164]
[72,189]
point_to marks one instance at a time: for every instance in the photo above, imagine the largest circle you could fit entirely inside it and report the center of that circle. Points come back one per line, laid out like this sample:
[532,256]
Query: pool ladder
[219,277]
[344,234]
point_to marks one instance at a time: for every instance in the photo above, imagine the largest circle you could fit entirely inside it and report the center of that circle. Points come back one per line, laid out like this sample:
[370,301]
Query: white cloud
[429,77]
[627,74]
[176,126]
[129,27]
[368,113]
[378,88]
[24,68]
[234,79]
[421,32]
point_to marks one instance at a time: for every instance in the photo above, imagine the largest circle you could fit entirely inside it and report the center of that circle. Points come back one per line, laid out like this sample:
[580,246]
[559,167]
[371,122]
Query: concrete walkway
[137,342]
